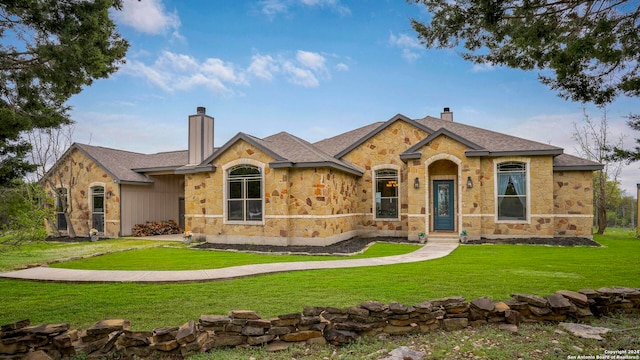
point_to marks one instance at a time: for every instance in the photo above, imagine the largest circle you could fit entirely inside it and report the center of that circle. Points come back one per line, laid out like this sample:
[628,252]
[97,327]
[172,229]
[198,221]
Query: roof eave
[578,167]
[329,164]
[550,152]
[195,169]
[159,168]
[410,156]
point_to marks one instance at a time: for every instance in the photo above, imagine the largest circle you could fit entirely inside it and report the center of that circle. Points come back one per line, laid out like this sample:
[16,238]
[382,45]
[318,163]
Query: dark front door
[443,205]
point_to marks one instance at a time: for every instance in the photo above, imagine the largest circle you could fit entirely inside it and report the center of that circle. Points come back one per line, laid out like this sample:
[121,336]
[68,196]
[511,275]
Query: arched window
[512,191]
[386,204]
[244,194]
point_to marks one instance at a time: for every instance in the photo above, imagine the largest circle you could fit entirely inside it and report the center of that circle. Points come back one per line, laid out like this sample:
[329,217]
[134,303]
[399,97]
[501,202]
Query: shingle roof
[291,151]
[570,162]
[493,142]
[120,164]
[337,144]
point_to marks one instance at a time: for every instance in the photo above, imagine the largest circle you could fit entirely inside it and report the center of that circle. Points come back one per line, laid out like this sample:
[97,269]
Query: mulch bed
[563,241]
[358,244]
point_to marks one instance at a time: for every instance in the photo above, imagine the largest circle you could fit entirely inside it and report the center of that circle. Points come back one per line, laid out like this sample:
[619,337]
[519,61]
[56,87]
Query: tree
[591,47]
[50,50]
[632,155]
[47,147]
[593,138]
[23,211]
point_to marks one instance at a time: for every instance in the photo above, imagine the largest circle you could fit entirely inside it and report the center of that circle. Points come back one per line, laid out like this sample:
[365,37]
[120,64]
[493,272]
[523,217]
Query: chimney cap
[201,110]
[446,109]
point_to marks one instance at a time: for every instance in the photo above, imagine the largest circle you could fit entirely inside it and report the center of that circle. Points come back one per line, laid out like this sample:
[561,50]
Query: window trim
[225,191]
[527,171]
[374,184]
[58,205]
[92,194]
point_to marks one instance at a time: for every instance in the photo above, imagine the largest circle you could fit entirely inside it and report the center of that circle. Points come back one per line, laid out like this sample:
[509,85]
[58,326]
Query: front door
[443,205]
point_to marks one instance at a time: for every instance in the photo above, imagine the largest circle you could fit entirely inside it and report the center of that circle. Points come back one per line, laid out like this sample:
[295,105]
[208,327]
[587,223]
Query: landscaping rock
[531,299]
[455,324]
[340,337]
[575,297]
[186,333]
[585,331]
[559,302]
[108,326]
[244,314]
[300,336]
[484,305]
[277,346]
[404,353]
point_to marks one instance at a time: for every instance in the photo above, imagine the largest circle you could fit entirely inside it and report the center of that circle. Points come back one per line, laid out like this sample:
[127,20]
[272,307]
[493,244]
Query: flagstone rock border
[314,325]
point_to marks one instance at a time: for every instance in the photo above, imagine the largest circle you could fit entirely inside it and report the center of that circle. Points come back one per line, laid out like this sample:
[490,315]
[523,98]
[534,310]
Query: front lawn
[470,271]
[186,259]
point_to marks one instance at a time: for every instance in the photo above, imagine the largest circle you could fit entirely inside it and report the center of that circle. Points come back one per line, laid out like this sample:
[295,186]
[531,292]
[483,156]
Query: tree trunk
[70,231]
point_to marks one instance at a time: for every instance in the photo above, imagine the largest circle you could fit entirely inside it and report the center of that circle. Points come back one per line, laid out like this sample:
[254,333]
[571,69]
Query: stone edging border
[314,325]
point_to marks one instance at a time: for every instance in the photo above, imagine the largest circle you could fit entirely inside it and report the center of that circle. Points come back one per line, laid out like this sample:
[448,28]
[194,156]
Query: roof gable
[258,143]
[412,152]
[492,143]
[378,129]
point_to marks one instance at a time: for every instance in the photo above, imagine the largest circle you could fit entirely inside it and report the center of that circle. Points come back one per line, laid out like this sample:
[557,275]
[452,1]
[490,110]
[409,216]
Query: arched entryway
[443,174]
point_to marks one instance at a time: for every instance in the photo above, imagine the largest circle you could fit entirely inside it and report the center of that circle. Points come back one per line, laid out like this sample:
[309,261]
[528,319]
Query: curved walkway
[433,250]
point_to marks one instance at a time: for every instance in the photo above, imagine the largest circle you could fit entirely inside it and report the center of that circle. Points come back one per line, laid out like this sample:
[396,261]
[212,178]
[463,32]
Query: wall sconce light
[108,194]
[416,183]
[469,182]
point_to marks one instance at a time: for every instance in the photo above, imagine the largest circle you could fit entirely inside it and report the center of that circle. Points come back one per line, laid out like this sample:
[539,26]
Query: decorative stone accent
[315,325]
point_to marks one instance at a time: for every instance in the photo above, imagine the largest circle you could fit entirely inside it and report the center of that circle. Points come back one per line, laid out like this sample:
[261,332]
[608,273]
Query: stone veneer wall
[314,325]
[82,173]
[573,203]
[381,151]
[301,206]
[320,206]
[540,200]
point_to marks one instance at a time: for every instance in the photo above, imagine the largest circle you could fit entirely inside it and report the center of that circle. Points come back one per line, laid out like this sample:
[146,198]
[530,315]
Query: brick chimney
[446,114]
[200,136]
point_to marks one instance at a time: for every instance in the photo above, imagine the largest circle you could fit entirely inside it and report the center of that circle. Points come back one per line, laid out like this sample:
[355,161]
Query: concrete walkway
[433,250]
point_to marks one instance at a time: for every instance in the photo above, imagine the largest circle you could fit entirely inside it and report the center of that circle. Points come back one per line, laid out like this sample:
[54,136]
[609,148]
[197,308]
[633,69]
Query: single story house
[401,177]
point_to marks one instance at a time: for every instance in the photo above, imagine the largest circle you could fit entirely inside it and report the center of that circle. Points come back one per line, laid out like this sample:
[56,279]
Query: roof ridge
[431,118]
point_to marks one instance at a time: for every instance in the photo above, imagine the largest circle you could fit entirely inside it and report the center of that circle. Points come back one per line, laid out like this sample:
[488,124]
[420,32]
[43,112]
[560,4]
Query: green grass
[470,271]
[188,259]
[42,252]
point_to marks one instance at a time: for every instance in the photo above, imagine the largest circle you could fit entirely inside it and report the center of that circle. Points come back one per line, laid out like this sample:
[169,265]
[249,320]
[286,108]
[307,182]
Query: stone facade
[320,198]
[319,206]
[313,326]
[78,174]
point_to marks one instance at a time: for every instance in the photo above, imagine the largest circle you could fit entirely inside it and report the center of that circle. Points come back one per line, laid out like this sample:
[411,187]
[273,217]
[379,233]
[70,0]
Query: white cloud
[342,67]
[263,66]
[410,46]
[311,60]
[305,69]
[180,72]
[272,8]
[148,16]
[300,76]
[172,72]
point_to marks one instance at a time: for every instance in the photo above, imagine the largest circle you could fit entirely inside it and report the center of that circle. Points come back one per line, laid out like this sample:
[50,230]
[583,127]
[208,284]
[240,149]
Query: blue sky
[313,68]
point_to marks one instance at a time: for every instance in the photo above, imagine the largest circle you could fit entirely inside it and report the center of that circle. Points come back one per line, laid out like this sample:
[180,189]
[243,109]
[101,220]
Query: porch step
[443,239]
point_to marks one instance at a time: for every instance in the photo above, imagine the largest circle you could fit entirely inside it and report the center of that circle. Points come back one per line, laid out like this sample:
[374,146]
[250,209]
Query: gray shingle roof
[120,164]
[493,142]
[291,151]
[570,162]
